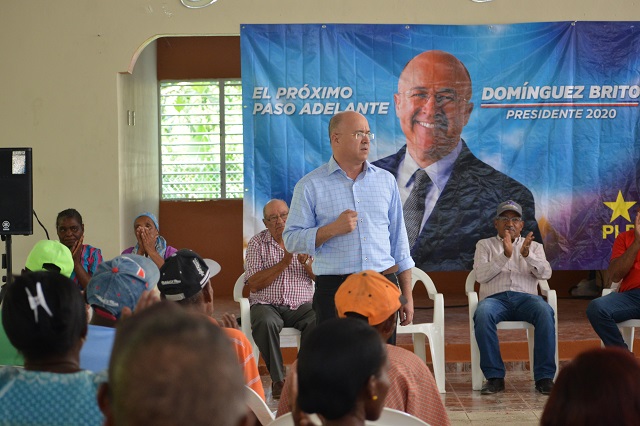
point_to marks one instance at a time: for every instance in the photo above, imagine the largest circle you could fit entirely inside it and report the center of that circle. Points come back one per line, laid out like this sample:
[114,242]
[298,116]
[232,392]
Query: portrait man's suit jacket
[464,212]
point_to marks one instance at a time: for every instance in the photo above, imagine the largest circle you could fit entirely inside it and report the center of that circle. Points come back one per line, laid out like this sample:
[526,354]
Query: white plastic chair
[627,328]
[476,372]
[389,417]
[433,330]
[245,320]
[258,406]
[284,420]
[287,420]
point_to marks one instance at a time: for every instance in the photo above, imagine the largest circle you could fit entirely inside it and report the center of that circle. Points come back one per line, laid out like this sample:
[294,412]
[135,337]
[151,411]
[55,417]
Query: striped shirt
[380,238]
[497,273]
[291,288]
[91,258]
[244,353]
[412,388]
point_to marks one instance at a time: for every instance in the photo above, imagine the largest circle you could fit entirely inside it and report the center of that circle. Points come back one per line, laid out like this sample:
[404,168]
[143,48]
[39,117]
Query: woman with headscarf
[149,241]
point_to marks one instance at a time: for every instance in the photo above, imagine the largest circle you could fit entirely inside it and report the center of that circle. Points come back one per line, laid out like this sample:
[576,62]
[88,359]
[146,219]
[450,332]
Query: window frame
[222,115]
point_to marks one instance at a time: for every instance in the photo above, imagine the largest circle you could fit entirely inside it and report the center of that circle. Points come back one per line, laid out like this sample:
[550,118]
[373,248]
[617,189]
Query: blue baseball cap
[119,282]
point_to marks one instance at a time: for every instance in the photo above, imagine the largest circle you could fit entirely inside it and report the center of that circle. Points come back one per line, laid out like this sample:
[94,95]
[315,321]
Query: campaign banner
[547,115]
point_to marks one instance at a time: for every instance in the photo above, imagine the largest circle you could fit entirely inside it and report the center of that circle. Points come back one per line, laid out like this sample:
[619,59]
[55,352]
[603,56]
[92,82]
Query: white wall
[139,152]
[63,94]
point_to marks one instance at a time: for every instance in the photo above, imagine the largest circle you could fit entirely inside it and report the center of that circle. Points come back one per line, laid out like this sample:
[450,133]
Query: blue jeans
[515,306]
[605,312]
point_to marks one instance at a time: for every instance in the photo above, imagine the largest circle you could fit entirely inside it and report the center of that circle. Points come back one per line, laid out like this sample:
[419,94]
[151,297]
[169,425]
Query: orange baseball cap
[369,294]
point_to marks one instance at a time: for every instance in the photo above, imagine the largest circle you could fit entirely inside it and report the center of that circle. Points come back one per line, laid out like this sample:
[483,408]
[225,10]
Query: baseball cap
[369,294]
[184,274]
[47,255]
[509,206]
[119,282]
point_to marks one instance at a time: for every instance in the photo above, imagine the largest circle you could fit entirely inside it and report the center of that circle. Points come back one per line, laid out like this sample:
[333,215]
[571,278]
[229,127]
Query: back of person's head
[47,255]
[599,387]
[172,367]
[44,315]
[184,275]
[119,283]
[342,363]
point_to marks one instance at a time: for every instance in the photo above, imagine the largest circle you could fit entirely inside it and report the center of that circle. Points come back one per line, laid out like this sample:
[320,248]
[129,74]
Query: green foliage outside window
[201,139]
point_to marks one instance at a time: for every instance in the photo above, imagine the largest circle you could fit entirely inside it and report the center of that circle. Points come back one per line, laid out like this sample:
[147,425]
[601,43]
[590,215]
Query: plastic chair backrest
[391,417]
[238,287]
[258,406]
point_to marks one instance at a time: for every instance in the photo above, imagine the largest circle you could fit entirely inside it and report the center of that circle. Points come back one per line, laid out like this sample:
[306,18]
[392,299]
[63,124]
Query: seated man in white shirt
[508,267]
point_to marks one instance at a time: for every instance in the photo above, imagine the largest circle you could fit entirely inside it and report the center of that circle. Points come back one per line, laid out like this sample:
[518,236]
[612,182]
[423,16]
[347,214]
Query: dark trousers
[267,322]
[324,303]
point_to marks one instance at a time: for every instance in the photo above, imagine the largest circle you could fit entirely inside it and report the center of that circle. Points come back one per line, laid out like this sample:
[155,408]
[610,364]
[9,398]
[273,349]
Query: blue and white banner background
[555,107]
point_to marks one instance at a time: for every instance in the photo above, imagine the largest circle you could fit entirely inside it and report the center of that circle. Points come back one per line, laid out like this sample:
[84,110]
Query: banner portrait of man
[464,117]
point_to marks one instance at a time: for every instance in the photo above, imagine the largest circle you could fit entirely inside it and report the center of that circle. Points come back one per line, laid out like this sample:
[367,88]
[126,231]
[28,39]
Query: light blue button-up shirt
[380,238]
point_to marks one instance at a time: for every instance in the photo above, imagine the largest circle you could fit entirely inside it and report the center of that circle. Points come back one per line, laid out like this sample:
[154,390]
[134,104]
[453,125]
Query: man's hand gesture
[524,251]
[507,244]
[346,222]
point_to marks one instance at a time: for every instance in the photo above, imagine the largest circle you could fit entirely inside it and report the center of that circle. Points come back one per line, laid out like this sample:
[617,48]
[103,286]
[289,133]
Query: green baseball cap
[49,255]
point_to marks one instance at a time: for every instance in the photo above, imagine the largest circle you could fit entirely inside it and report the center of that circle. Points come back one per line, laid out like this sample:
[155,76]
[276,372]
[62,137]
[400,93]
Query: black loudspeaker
[16,191]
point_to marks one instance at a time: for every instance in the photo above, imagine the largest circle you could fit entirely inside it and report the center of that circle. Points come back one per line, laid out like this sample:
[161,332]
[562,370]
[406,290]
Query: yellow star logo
[620,207]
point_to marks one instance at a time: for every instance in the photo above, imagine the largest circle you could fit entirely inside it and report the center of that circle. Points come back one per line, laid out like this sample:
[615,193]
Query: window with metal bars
[201,139]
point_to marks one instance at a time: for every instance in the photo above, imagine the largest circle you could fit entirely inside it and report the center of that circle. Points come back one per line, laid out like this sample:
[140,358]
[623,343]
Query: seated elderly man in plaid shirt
[281,290]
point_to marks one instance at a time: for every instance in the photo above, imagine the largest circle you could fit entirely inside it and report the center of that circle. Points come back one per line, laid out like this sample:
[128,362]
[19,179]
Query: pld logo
[5,225]
[620,207]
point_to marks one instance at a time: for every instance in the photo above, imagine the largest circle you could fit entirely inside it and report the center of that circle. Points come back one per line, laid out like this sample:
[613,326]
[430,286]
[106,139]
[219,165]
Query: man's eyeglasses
[360,135]
[274,218]
[513,220]
[422,96]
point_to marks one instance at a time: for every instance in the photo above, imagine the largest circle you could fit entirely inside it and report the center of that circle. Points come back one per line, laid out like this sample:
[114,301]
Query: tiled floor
[574,331]
[520,404]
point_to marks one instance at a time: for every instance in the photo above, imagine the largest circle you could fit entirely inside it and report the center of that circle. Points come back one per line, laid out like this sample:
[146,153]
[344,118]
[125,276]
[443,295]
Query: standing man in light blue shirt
[347,213]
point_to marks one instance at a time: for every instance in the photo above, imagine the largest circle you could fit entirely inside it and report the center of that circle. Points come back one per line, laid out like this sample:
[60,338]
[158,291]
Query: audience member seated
[45,318]
[171,367]
[599,387]
[281,290]
[45,255]
[369,296]
[342,373]
[86,258]
[118,284]
[624,304]
[184,278]
[149,243]
[508,267]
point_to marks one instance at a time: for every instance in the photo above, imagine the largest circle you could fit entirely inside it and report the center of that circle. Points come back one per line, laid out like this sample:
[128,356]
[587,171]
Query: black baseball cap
[185,274]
